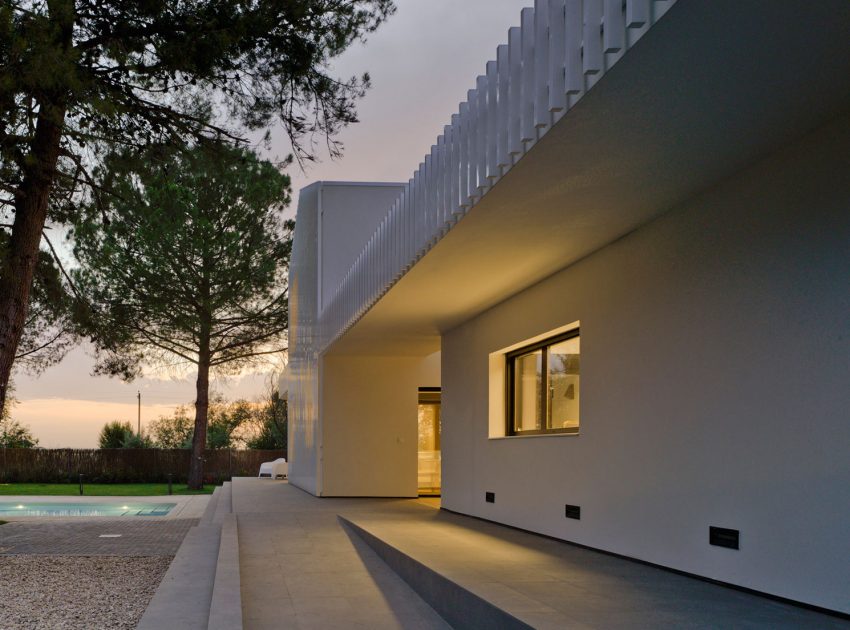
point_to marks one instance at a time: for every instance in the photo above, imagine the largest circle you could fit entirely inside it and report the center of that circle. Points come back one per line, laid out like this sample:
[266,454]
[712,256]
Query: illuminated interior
[429,441]
[544,386]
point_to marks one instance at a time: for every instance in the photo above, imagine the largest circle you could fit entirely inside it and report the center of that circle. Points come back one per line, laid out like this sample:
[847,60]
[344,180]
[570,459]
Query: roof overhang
[710,89]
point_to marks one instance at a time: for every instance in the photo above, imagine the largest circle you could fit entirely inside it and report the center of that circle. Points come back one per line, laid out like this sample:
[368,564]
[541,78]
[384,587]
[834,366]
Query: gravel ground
[71,592]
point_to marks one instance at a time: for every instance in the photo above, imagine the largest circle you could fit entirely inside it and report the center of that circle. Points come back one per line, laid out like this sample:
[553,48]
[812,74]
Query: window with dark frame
[543,386]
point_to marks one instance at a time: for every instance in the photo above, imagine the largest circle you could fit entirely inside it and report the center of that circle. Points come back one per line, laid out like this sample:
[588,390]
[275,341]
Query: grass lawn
[98,489]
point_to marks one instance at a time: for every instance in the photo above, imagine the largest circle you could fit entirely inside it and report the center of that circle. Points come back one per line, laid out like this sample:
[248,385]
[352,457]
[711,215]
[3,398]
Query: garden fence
[38,465]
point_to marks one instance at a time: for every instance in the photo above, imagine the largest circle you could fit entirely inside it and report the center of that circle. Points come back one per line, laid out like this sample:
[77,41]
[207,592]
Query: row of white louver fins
[558,53]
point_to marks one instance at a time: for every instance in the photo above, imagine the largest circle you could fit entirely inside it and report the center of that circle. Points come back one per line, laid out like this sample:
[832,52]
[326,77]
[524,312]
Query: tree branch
[61,267]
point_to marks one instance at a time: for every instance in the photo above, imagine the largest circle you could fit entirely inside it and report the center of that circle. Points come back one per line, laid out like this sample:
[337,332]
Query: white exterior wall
[333,223]
[369,420]
[303,408]
[715,377]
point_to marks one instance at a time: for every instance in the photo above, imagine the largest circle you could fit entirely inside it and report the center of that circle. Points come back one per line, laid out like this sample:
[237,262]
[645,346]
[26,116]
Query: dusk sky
[422,62]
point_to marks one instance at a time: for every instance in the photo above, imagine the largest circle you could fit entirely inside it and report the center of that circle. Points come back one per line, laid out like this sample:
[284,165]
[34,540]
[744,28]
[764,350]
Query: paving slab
[301,569]
[105,537]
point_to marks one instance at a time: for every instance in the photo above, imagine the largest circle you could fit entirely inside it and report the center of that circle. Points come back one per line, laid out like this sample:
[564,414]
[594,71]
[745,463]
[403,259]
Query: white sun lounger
[275,469]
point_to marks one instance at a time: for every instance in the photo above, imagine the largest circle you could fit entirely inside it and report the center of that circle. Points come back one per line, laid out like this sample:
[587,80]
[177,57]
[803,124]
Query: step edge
[444,595]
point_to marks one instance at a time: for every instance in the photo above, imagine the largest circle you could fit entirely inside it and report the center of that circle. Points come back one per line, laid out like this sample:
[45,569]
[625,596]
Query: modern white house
[612,304]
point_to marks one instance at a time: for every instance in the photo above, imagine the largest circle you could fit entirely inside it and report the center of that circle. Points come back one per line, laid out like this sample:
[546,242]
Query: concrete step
[201,589]
[184,596]
[458,606]
[209,512]
[226,605]
[224,505]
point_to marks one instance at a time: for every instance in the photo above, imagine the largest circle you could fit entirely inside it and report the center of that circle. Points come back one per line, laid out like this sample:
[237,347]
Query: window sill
[536,435]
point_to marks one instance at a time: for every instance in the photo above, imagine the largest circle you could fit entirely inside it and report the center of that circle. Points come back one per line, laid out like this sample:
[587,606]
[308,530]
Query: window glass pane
[564,385]
[528,389]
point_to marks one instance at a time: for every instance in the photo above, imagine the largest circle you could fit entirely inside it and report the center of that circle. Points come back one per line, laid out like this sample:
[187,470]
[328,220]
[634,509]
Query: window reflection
[528,387]
[563,384]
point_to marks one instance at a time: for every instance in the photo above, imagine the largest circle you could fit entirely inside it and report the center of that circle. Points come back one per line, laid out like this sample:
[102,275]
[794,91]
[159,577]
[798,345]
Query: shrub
[114,434]
[15,435]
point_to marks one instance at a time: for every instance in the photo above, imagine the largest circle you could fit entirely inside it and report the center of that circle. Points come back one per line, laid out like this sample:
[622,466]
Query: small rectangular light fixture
[572,511]
[723,537]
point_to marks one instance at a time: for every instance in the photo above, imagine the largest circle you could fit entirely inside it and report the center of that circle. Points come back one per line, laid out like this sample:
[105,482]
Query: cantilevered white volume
[558,53]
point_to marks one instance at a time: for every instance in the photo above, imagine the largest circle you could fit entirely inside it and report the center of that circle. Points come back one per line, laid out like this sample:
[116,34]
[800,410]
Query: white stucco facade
[715,370]
[690,212]
[334,221]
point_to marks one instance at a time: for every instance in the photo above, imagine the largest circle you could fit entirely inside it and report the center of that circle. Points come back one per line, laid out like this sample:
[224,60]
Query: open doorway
[429,441]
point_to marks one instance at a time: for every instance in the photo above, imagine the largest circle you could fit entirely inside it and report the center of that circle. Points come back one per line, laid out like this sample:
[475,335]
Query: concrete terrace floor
[300,568]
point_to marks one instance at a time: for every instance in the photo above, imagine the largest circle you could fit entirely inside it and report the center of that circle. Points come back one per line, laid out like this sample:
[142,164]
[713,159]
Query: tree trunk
[31,202]
[202,406]
[18,265]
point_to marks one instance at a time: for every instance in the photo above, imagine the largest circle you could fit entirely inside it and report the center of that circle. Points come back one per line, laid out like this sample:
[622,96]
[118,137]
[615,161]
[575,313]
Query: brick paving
[63,538]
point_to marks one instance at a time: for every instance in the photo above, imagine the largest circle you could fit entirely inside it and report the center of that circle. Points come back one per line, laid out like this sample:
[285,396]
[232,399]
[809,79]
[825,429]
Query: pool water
[85,509]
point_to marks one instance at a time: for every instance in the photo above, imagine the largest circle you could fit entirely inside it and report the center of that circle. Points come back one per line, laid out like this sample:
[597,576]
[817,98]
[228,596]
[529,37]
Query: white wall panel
[714,376]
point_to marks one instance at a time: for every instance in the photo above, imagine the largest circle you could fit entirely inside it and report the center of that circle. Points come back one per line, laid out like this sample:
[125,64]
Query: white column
[527,132]
[383,267]
[411,222]
[417,209]
[541,64]
[439,166]
[463,188]
[481,180]
[431,191]
[614,34]
[557,56]
[471,145]
[637,13]
[574,72]
[515,100]
[592,36]
[421,216]
[492,121]
[397,263]
[503,105]
[425,182]
[448,132]
[454,199]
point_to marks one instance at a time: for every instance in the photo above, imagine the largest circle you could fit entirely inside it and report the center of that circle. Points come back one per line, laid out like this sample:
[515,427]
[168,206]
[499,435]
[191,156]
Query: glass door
[429,441]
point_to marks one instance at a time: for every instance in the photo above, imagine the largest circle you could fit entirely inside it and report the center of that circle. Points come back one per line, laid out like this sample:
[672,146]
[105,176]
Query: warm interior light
[20,507]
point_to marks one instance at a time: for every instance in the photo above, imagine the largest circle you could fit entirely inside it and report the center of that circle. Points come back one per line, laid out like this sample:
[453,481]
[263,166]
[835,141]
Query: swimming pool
[84,509]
